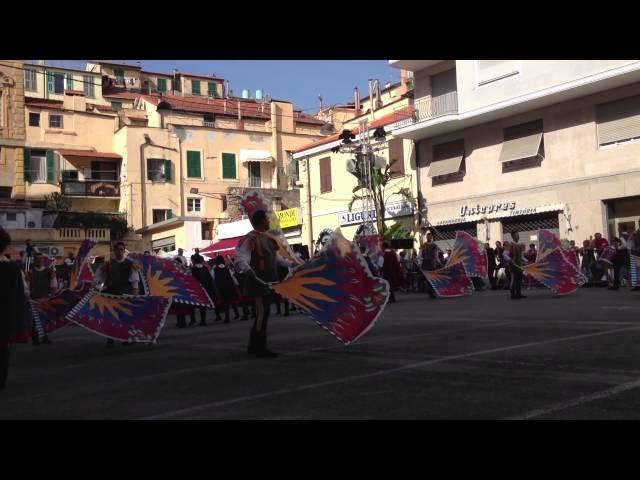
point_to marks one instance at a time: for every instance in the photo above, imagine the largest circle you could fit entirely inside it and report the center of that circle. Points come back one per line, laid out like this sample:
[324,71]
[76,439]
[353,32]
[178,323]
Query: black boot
[45,340]
[262,351]
[251,348]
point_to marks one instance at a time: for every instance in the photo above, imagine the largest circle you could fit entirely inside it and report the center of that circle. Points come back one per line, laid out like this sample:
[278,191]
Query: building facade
[522,145]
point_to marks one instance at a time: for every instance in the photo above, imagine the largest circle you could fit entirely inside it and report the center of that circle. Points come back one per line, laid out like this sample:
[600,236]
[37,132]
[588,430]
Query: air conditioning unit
[53,250]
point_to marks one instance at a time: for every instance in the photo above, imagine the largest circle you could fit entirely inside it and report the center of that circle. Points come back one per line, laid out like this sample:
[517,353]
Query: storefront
[623,214]
[349,221]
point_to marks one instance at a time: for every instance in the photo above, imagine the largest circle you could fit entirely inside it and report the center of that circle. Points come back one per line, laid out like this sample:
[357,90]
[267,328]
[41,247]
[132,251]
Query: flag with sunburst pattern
[126,318]
[471,254]
[554,271]
[635,270]
[80,263]
[338,291]
[161,278]
[49,313]
[450,281]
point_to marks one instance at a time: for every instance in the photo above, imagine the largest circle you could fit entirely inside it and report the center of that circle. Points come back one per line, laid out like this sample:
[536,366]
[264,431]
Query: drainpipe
[309,207]
[181,178]
[274,142]
[419,190]
[143,183]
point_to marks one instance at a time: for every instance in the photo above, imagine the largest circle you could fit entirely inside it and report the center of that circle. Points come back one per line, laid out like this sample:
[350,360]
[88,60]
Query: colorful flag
[450,281]
[556,272]
[635,270]
[81,259]
[547,242]
[471,253]
[49,313]
[373,247]
[337,290]
[127,318]
[161,278]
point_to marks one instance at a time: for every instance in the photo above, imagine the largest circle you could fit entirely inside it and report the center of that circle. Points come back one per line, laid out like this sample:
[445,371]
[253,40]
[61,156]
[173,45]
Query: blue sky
[299,81]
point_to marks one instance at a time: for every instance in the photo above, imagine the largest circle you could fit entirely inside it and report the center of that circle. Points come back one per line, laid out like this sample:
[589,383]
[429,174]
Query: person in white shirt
[181,258]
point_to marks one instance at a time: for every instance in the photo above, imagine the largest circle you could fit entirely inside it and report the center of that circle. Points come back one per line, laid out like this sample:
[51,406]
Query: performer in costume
[391,271]
[13,321]
[225,288]
[257,256]
[42,283]
[429,260]
[201,273]
[121,276]
[515,266]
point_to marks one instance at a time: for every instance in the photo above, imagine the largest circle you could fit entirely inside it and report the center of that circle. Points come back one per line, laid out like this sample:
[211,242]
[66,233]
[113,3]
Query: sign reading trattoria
[477,209]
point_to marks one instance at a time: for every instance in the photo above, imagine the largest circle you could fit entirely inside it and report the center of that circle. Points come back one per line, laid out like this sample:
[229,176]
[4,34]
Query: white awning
[519,148]
[248,155]
[446,166]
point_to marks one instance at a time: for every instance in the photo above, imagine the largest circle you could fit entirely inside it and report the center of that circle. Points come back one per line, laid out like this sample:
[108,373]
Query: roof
[195,75]
[77,93]
[67,152]
[157,73]
[132,113]
[223,246]
[43,103]
[53,67]
[308,119]
[123,95]
[106,108]
[386,120]
[116,64]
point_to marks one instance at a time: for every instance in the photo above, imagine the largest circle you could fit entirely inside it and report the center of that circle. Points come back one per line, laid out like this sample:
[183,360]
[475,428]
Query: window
[523,146]
[55,82]
[56,121]
[193,205]
[209,120]
[618,121]
[69,81]
[88,86]
[104,171]
[229,166]
[34,119]
[396,157]
[160,215]
[194,169]
[30,84]
[41,166]
[116,104]
[162,84]
[195,87]
[325,175]
[255,180]
[447,164]
[119,74]
[158,170]
[11,217]
[69,175]
[213,91]
[492,70]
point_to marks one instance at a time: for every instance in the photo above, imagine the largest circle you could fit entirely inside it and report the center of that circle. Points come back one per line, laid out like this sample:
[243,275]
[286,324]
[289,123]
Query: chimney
[226,92]
[371,95]
[356,95]
[378,99]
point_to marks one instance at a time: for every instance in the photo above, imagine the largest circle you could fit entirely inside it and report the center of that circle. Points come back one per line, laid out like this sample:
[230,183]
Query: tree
[380,178]
[57,202]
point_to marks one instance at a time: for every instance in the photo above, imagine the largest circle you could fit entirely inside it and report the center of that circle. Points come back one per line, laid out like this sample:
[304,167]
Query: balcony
[428,109]
[91,188]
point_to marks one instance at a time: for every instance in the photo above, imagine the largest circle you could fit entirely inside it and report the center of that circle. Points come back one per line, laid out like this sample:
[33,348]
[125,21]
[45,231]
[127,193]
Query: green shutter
[167,170]
[149,176]
[69,81]
[50,83]
[193,164]
[212,89]
[195,87]
[162,84]
[169,214]
[229,165]
[27,164]
[51,167]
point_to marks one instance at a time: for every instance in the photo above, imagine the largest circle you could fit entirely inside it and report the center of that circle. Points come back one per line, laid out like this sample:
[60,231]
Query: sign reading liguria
[476,210]
[288,218]
[391,211]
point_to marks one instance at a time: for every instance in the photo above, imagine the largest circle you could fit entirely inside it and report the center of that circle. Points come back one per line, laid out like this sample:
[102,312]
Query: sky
[298,81]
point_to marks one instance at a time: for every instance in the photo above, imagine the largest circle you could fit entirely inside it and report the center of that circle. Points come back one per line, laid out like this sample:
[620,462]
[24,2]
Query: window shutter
[229,166]
[396,153]
[149,173]
[50,82]
[51,167]
[27,164]
[325,175]
[193,164]
[169,214]
[162,84]
[69,81]
[167,170]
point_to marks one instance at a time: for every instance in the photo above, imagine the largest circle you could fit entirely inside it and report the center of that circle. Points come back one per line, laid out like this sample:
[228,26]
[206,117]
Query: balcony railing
[427,109]
[91,188]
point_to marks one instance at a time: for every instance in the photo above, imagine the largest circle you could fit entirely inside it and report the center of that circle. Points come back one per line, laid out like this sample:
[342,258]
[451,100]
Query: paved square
[479,357]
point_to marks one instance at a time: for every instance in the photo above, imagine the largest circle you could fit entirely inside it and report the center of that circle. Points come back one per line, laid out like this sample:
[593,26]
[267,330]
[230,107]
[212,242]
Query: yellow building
[48,82]
[12,132]
[327,185]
